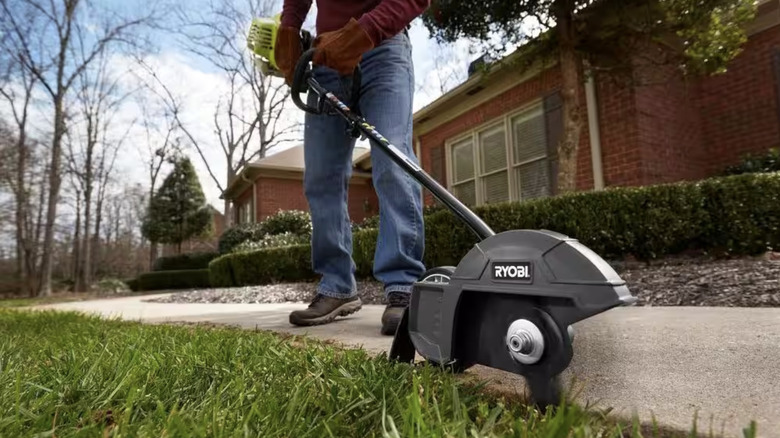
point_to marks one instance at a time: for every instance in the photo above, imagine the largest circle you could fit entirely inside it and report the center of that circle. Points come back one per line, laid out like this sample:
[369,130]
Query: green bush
[734,215]
[363,248]
[132,284]
[284,222]
[182,262]
[271,265]
[192,278]
[752,163]
[272,241]
[221,272]
[238,234]
[293,222]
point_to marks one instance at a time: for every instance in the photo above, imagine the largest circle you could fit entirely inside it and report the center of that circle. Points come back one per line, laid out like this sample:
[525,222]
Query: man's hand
[342,49]
[287,51]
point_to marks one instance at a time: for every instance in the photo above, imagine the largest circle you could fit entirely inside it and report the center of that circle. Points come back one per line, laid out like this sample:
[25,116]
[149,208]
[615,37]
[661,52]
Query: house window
[244,213]
[506,161]
[529,155]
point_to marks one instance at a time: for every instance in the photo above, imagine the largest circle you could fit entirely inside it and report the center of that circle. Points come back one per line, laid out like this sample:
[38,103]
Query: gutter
[593,129]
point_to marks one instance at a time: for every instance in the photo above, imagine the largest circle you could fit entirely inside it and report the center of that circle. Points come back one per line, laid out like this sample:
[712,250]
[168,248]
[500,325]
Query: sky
[200,87]
[436,70]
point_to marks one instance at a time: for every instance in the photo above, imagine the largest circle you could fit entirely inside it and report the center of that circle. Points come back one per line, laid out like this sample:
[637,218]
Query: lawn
[63,375]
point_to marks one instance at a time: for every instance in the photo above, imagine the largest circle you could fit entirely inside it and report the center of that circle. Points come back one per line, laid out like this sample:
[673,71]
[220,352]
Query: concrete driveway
[722,364]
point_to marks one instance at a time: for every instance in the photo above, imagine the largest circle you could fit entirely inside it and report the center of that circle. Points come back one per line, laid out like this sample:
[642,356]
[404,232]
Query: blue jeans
[386,103]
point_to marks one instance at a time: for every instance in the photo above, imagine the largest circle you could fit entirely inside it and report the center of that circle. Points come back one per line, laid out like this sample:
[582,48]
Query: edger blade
[403,349]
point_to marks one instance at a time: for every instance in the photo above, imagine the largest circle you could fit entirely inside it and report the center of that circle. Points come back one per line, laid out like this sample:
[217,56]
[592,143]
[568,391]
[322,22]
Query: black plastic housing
[558,282]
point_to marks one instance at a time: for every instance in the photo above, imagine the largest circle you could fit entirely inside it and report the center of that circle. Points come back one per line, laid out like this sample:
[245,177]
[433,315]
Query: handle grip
[302,76]
[300,81]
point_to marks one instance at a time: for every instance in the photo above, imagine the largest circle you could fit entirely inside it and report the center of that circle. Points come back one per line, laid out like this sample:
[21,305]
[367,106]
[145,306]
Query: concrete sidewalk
[668,362]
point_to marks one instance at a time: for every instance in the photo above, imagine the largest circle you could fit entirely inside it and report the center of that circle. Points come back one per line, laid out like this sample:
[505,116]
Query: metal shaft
[474,222]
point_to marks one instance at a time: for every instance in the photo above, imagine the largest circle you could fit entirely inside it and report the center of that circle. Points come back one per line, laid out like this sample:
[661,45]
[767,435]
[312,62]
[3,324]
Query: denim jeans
[386,102]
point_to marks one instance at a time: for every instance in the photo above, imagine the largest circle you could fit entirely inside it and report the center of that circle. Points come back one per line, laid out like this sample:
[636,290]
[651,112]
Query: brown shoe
[324,310]
[397,303]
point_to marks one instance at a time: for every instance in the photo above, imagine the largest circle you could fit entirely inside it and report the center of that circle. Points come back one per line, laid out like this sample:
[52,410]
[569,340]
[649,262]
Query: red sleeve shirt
[381,19]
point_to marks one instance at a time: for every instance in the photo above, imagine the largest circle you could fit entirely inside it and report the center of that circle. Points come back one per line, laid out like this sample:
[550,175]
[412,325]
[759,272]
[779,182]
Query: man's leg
[386,103]
[328,165]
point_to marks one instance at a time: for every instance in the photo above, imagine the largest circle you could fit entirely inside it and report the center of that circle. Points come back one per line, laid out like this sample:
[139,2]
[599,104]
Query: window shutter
[777,81]
[553,114]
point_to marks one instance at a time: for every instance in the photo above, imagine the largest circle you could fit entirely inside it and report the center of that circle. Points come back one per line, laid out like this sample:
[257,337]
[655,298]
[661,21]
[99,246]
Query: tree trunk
[86,265]
[54,194]
[21,216]
[77,287]
[35,251]
[570,94]
[96,252]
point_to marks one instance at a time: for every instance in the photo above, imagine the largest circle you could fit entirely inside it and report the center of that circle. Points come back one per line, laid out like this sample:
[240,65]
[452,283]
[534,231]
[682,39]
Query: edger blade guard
[510,303]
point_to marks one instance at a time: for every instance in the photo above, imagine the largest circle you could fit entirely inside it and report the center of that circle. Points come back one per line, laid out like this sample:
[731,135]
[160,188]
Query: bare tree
[61,25]
[91,156]
[17,85]
[160,144]
[248,119]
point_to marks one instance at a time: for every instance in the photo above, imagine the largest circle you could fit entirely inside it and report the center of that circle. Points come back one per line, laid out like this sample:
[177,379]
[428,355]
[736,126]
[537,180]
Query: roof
[287,163]
[292,158]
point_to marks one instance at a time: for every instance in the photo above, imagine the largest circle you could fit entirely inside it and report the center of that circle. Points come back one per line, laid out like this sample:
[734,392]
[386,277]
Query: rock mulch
[744,282]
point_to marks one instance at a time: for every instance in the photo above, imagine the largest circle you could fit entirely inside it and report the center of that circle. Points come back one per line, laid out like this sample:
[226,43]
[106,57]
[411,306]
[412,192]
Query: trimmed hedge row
[183,262]
[733,215]
[191,278]
[287,263]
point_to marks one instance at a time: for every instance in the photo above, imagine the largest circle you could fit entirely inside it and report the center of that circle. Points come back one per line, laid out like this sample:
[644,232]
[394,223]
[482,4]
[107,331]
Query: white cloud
[199,93]
[200,90]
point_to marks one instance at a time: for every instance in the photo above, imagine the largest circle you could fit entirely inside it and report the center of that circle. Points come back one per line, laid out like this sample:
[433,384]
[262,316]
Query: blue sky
[436,69]
[200,85]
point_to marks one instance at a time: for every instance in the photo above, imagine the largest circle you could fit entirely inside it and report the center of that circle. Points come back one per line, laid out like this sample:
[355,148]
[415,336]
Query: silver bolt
[525,341]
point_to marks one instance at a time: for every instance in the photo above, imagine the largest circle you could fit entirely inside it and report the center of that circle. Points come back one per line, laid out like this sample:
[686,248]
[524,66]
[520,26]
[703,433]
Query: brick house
[493,138]
[275,183]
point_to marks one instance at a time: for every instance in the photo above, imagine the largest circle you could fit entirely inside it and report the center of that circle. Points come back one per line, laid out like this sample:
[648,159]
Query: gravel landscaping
[744,282]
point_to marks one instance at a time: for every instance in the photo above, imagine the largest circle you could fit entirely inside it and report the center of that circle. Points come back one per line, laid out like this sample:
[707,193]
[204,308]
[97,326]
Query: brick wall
[620,154]
[739,109]
[274,194]
[663,129]
[668,127]
[545,84]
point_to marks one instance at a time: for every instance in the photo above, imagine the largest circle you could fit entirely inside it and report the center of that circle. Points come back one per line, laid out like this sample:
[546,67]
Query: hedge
[733,215]
[191,278]
[756,163]
[132,284]
[295,222]
[287,263]
[182,262]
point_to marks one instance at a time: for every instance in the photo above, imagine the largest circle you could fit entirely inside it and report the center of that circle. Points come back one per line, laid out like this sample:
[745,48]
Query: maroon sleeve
[390,17]
[294,12]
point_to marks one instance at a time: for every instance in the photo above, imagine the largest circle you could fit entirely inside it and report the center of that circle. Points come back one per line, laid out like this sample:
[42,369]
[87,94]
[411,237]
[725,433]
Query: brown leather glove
[287,51]
[342,49]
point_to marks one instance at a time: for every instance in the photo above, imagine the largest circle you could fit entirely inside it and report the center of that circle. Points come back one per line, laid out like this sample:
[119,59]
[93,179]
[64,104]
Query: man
[372,33]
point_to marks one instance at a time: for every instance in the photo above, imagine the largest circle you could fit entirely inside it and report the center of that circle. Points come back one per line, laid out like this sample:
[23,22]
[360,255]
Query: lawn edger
[510,302]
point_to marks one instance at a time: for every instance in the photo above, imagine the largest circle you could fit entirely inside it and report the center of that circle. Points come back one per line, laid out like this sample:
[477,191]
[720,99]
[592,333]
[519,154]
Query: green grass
[36,301]
[68,375]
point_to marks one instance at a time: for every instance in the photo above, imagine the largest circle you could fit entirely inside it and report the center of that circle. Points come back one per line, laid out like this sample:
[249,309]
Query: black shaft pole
[474,222]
